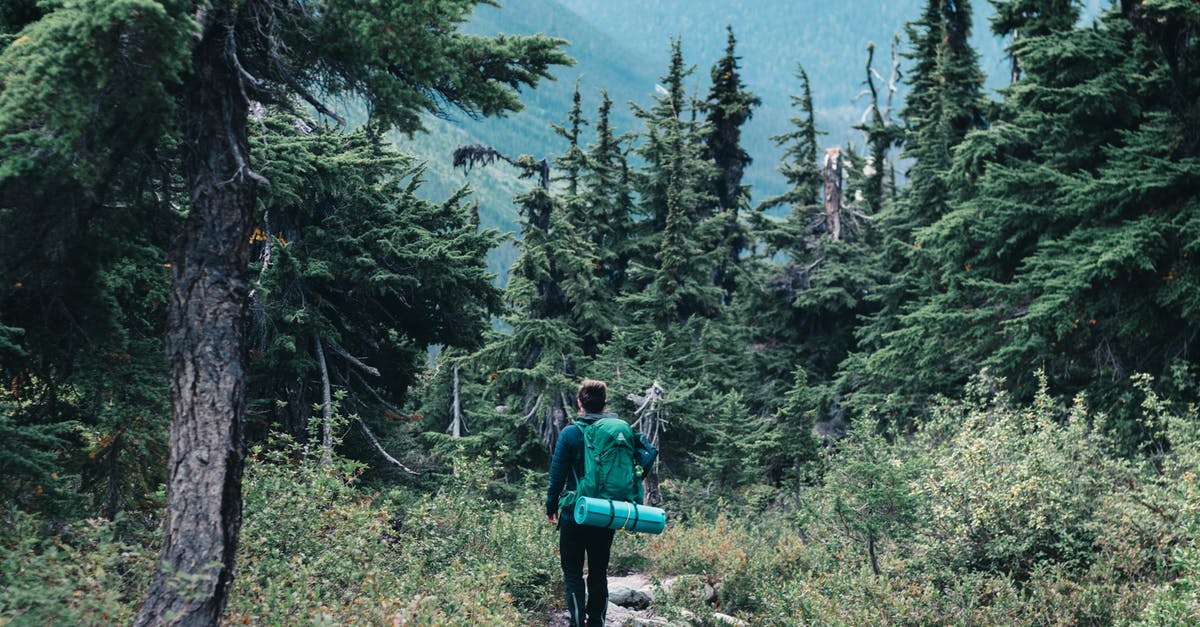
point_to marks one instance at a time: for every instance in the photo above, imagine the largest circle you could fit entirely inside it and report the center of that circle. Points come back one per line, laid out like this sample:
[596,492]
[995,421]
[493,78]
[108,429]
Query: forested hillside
[943,371]
[617,46]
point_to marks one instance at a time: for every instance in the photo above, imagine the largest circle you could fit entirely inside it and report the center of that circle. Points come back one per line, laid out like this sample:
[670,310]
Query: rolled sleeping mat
[619,515]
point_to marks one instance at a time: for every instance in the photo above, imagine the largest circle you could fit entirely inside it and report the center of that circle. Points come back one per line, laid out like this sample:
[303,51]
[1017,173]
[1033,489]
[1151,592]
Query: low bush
[991,513]
[78,575]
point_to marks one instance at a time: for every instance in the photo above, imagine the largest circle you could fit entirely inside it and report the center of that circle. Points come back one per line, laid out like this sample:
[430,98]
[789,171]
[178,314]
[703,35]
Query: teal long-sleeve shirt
[568,456]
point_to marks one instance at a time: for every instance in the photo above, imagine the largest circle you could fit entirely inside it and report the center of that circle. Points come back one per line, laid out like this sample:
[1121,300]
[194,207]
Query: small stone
[729,620]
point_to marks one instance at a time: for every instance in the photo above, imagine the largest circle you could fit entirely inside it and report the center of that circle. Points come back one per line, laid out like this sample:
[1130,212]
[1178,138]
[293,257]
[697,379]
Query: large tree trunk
[205,345]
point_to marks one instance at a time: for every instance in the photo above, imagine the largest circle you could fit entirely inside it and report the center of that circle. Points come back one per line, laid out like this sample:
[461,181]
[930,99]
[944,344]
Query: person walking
[586,605]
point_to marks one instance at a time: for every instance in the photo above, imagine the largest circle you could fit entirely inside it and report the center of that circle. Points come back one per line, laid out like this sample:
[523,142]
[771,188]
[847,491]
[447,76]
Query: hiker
[575,541]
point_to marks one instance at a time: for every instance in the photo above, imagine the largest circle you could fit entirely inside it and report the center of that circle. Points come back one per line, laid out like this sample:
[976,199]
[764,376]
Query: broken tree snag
[456,417]
[831,174]
[326,402]
[650,418]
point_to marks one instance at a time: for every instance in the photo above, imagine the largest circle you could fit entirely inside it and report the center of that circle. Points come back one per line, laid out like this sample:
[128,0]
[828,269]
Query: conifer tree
[944,103]
[801,170]
[802,314]
[127,70]
[1072,247]
[603,215]
[592,206]
[675,261]
[358,277]
[728,107]
[538,361]
[1020,19]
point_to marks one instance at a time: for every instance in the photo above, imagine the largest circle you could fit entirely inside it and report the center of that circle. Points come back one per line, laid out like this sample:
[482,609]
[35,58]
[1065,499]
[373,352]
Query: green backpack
[609,469]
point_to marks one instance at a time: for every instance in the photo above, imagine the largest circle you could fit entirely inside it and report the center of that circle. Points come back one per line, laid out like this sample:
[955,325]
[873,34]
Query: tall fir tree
[727,108]
[536,363]
[802,171]
[357,278]
[1020,19]
[944,103]
[597,211]
[675,261]
[1072,249]
[608,200]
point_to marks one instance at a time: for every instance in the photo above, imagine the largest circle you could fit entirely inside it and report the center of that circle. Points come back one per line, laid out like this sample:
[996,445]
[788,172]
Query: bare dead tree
[831,174]
[458,425]
[651,418]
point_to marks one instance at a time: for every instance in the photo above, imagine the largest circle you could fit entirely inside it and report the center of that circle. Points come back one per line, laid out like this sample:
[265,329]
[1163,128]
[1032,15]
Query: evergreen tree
[1071,248]
[1020,19]
[802,171]
[538,361]
[604,215]
[944,103]
[802,314]
[358,276]
[92,83]
[673,188]
[595,216]
[728,107]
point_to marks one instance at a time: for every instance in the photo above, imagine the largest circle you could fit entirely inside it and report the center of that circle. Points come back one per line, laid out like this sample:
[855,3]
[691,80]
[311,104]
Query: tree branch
[536,405]
[382,451]
[326,403]
[354,361]
[379,399]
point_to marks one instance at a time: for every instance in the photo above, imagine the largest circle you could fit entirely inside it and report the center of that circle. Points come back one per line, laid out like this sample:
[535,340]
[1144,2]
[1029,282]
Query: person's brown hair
[592,395]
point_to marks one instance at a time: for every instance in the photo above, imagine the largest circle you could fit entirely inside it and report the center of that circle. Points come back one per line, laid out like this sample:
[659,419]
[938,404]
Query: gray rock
[617,616]
[628,597]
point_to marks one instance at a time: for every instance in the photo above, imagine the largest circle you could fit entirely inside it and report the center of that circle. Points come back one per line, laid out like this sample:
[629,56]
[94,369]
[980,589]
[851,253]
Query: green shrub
[1011,488]
[78,576]
[318,548]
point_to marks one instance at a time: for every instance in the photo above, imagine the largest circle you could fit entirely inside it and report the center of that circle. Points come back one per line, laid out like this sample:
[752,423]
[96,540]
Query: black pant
[574,540]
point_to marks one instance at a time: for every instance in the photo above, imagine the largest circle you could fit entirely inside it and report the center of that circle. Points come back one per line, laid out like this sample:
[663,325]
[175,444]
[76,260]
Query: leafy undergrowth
[991,513]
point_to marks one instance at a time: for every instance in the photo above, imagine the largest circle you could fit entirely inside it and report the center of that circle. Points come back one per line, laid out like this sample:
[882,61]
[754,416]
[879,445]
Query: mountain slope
[622,45]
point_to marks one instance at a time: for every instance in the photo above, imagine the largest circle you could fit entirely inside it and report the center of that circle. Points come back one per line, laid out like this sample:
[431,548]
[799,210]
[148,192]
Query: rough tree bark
[831,173]
[205,344]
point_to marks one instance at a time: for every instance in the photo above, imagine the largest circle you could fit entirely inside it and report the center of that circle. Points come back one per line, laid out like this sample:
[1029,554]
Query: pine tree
[604,217]
[801,169]
[673,188]
[358,276]
[1020,19]
[802,313]
[538,361]
[593,208]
